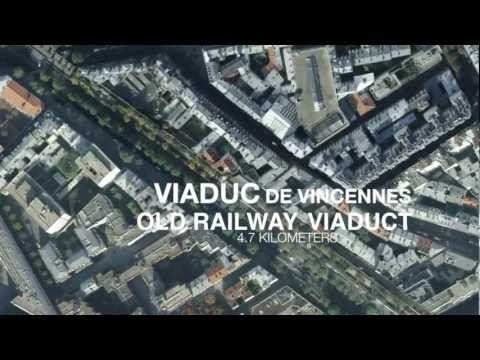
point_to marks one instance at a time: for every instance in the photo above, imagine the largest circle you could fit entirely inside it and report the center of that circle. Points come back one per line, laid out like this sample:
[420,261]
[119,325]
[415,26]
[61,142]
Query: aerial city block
[90,136]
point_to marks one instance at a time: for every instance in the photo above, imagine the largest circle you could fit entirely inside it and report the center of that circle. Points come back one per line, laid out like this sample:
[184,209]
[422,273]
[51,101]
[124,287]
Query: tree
[322,272]
[58,84]
[176,172]
[126,156]
[158,159]
[149,152]
[33,84]
[210,299]
[358,300]
[167,167]
[372,310]
[227,233]
[92,110]
[41,90]
[67,166]
[18,72]
[252,248]
[78,56]
[253,286]
[205,174]
[151,135]
[133,208]
[17,226]
[73,97]
[75,80]
[104,119]
[334,310]
[45,75]
[119,127]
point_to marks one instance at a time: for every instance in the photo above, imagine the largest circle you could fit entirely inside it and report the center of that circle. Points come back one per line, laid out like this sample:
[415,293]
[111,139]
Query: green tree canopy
[104,119]
[126,156]
[17,226]
[58,84]
[252,248]
[372,310]
[18,72]
[176,172]
[73,97]
[78,56]
[158,159]
[45,75]
[334,310]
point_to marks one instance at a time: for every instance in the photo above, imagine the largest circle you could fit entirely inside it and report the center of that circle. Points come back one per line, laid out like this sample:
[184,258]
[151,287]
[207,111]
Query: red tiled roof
[217,273]
[21,99]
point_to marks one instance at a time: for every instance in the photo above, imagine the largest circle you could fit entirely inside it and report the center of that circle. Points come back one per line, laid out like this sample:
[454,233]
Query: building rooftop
[33,298]
[92,243]
[38,203]
[455,294]
[352,243]
[281,118]
[443,193]
[96,211]
[78,261]
[389,138]
[472,53]
[285,301]
[318,109]
[20,98]
[54,263]
[98,167]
